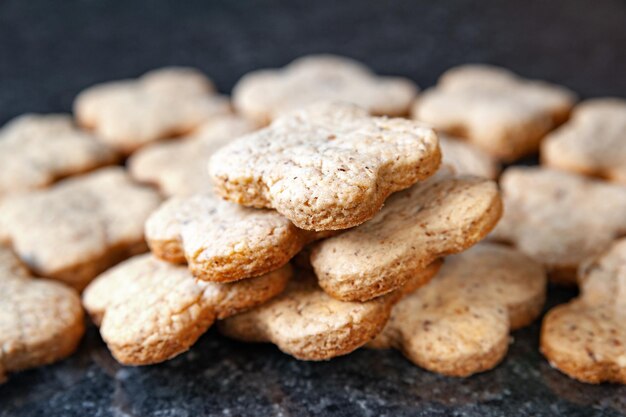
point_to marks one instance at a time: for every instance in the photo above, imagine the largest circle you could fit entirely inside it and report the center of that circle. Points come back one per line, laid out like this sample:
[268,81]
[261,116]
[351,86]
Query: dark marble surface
[50,50]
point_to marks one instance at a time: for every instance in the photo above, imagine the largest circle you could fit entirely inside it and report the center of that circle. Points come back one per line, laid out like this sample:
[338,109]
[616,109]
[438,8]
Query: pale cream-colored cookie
[129,114]
[560,218]
[586,338]
[41,321]
[222,241]
[37,150]
[443,215]
[327,167]
[179,168]
[459,323]
[466,158]
[308,324]
[79,227]
[263,95]
[505,115]
[150,311]
[593,142]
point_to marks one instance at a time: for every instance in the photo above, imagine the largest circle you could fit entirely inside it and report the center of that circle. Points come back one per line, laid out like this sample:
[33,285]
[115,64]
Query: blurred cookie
[162,103]
[559,218]
[459,323]
[501,113]
[264,95]
[593,142]
[150,311]
[41,321]
[328,167]
[586,338]
[443,215]
[79,227]
[179,168]
[37,150]
[466,158]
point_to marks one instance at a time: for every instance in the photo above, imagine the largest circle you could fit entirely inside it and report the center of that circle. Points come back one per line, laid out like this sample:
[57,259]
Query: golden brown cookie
[37,150]
[559,218]
[443,215]
[466,158]
[328,167]
[79,227]
[505,115]
[593,142]
[308,324]
[222,241]
[459,323]
[180,167]
[41,321]
[586,338]
[150,311]
[263,95]
[162,103]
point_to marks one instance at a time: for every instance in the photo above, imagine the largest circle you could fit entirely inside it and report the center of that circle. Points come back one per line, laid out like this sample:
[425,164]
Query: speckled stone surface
[51,50]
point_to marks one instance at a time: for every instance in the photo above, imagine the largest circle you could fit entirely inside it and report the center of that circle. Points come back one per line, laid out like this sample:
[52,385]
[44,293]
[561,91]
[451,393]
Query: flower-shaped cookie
[466,158]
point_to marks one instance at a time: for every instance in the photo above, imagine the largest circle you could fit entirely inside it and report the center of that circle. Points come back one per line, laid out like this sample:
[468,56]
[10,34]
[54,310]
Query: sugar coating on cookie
[466,158]
[162,103]
[37,150]
[327,167]
[265,94]
[443,215]
[459,323]
[79,227]
[41,321]
[559,218]
[179,168]
[586,338]
[150,311]
[505,115]
[222,241]
[593,142]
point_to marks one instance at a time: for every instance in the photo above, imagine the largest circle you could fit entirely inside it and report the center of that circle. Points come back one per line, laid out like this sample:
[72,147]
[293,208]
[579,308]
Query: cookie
[593,142]
[179,168]
[41,321]
[37,150]
[150,311]
[264,95]
[559,218]
[459,323]
[129,114]
[79,227]
[494,109]
[327,167]
[222,241]
[443,215]
[586,338]
[466,158]
[308,324]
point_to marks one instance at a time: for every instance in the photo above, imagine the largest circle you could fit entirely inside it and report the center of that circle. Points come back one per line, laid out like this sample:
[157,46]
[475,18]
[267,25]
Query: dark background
[50,50]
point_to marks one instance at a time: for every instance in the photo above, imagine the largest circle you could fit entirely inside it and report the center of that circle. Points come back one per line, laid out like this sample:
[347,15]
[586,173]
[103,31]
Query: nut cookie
[179,168]
[129,114]
[593,142]
[263,95]
[586,338]
[150,311]
[37,150]
[222,241]
[443,215]
[306,323]
[459,323]
[79,227]
[466,158]
[41,321]
[328,167]
[501,113]
[559,218]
